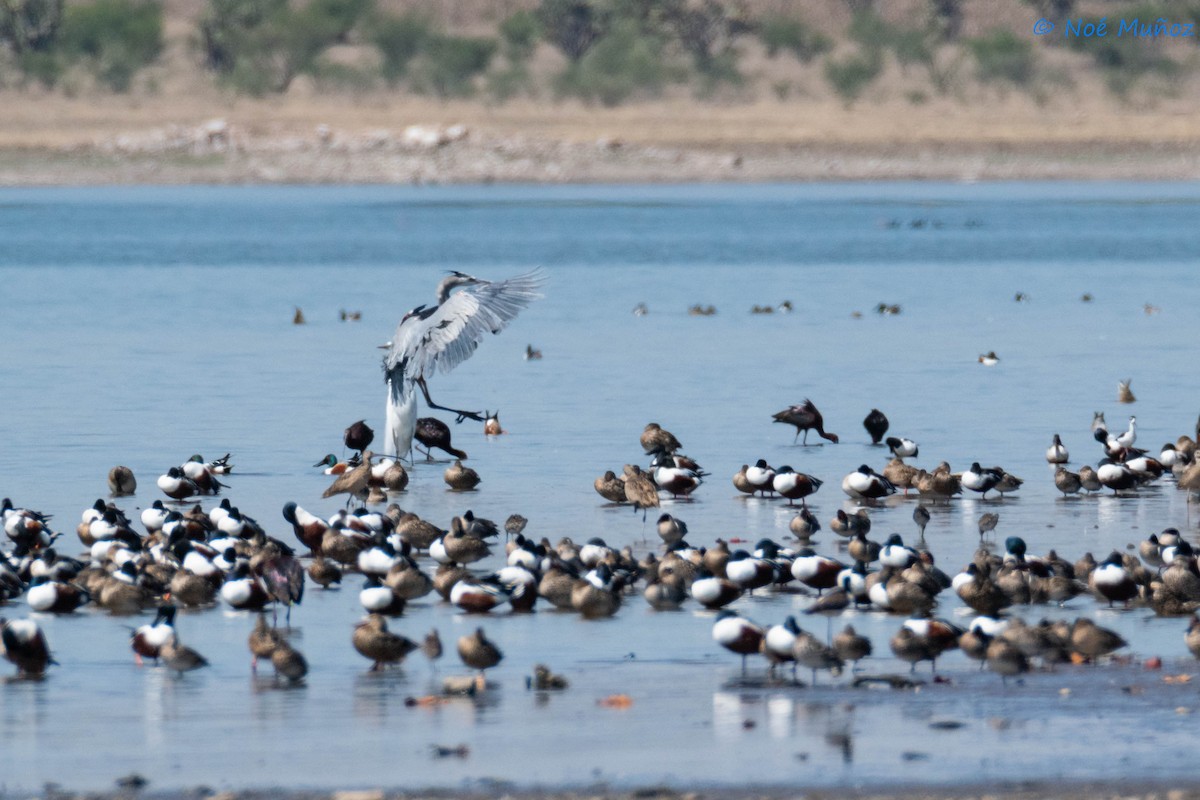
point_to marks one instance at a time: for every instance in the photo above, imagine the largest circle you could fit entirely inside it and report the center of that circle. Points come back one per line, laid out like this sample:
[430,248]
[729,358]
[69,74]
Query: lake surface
[141,325]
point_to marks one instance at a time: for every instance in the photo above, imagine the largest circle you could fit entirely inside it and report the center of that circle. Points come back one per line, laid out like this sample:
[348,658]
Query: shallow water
[143,325]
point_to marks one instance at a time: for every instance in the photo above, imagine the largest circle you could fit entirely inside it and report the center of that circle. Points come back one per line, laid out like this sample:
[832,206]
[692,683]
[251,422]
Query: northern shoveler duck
[748,572]
[204,474]
[981,480]
[243,590]
[1124,393]
[355,482]
[655,439]
[860,548]
[358,436]
[1117,477]
[737,635]
[491,423]
[178,657]
[761,477]
[851,646]
[676,480]
[610,487]
[666,592]
[598,594]
[671,530]
[924,640]
[478,652]
[379,599]
[814,571]
[478,596]
[431,432]
[1057,452]
[460,546]
[532,354]
[713,592]
[1066,481]
[804,524]
[407,580]
[308,527]
[847,525]
[895,554]
[121,481]
[23,643]
[335,467]
[979,592]
[867,484]
[989,359]
[1092,641]
[876,424]
[794,485]
[460,478]
[805,417]
[1112,581]
[1089,480]
[146,640]
[901,447]
[375,642]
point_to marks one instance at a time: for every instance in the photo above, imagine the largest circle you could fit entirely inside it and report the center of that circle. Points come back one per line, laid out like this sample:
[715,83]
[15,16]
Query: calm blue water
[140,326]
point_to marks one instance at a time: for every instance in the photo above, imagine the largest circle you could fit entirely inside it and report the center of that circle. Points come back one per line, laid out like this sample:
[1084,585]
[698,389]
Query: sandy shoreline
[506,160]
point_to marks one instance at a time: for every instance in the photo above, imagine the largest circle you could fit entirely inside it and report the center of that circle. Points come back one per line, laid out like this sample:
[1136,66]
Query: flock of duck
[189,557]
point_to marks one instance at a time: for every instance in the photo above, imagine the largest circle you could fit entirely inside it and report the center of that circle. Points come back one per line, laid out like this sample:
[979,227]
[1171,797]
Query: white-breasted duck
[981,480]
[901,447]
[867,484]
[23,643]
[761,477]
[1057,453]
[737,635]
[794,485]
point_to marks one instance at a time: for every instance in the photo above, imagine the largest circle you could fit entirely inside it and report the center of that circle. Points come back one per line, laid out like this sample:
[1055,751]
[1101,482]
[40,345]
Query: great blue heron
[442,337]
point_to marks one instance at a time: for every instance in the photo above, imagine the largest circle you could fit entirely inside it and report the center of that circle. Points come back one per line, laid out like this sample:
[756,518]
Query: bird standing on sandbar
[442,337]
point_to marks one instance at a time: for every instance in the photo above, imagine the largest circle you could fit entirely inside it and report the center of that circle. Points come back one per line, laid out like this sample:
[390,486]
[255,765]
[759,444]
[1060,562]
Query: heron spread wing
[444,336]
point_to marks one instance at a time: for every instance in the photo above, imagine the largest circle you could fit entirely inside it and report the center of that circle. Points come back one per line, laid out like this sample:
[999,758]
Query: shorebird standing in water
[442,337]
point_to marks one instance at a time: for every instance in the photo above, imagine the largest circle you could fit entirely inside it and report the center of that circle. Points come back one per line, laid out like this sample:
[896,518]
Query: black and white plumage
[442,337]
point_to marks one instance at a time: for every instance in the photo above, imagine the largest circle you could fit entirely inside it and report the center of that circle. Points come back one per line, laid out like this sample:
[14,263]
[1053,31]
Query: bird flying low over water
[442,337]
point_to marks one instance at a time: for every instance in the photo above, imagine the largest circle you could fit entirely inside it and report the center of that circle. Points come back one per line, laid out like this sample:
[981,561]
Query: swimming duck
[866,484]
[478,652]
[23,643]
[655,439]
[805,417]
[121,481]
[204,474]
[610,487]
[989,359]
[174,485]
[1124,393]
[876,424]
[332,466]
[737,635]
[432,432]
[491,423]
[794,485]
[373,640]
[460,478]
[901,447]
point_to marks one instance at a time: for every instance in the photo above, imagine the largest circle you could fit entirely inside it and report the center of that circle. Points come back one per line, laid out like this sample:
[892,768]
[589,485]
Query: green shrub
[119,37]
[573,26]
[30,26]
[398,40]
[624,63]
[1002,56]
[793,35]
[852,74]
[520,32]
[44,66]
[1124,60]
[448,64]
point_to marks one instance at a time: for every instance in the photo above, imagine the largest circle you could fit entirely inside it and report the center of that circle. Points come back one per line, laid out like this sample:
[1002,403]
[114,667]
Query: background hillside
[390,90]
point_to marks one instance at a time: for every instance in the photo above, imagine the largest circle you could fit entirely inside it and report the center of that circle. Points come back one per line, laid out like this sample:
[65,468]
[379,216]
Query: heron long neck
[450,282]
